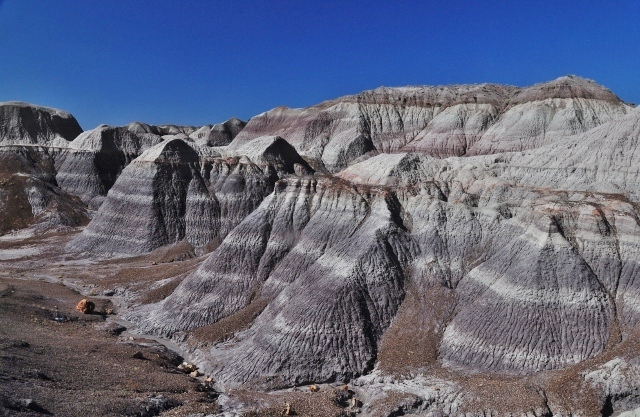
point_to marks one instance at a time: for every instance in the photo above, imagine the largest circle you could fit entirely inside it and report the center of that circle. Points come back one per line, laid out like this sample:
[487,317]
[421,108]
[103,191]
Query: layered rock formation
[23,123]
[29,195]
[533,254]
[95,159]
[82,164]
[439,121]
[549,112]
[150,203]
[162,130]
[448,231]
[170,193]
[220,134]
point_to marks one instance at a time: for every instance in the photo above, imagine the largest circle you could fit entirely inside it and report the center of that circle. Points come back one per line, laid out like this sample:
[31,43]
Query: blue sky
[198,62]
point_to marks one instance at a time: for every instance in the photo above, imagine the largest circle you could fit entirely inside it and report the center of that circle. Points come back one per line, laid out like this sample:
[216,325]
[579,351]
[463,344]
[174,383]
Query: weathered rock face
[89,165]
[549,112]
[147,206]
[424,237]
[537,288]
[175,195]
[541,263]
[341,131]
[549,260]
[331,287]
[603,159]
[439,121]
[29,195]
[162,130]
[618,378]
[23,123]
[95,159]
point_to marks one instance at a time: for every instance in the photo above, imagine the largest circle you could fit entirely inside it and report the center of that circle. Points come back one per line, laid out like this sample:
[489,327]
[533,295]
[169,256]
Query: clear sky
[198,62]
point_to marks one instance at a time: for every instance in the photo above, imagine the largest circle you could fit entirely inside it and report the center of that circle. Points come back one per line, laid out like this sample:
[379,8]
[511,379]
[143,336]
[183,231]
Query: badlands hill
[406,241]
[443,121]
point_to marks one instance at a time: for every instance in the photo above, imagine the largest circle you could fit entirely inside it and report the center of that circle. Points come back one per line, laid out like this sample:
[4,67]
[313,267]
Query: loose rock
[85,306]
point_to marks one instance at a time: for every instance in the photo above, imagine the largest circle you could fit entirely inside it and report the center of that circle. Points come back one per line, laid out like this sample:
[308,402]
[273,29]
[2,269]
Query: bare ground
[55,360]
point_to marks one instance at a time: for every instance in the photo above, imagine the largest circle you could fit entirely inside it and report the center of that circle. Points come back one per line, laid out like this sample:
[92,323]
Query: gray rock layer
[537,248]
[95,159]
[208,135]
[170,194]
[29,195]
[23,123]
[148,208]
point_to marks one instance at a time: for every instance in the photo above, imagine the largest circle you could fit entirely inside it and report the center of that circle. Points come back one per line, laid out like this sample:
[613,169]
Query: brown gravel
[412,340]
[226,327]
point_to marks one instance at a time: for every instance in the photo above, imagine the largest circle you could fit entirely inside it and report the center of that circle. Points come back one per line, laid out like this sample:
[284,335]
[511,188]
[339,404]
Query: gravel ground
[55,360]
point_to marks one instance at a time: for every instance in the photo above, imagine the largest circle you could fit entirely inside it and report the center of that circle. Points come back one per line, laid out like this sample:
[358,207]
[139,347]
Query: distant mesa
[219,134]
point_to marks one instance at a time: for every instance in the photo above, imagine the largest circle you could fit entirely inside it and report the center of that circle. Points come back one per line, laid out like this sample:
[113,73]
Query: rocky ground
[57,361]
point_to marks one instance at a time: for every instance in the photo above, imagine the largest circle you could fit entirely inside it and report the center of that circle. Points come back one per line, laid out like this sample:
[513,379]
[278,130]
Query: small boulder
[187,367]
[137,355]
[28,404]
[155,405]
[21,344]
[85,306]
